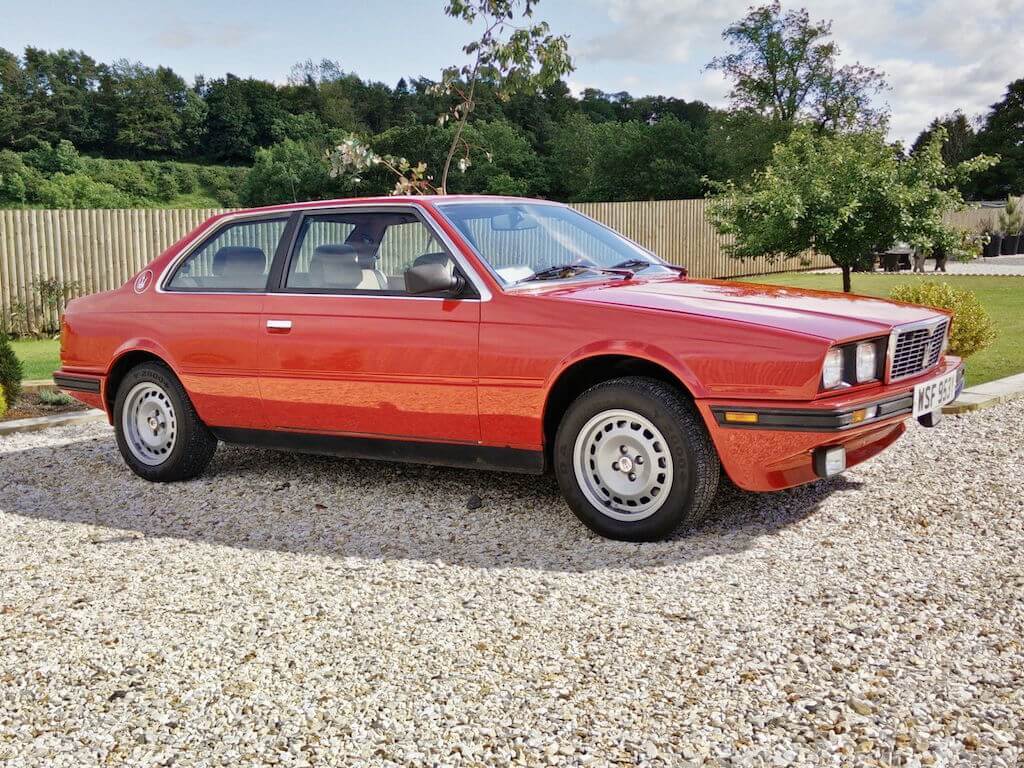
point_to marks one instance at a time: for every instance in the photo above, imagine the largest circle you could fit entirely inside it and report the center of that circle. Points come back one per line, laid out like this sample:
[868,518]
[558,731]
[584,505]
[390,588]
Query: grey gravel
[292,610]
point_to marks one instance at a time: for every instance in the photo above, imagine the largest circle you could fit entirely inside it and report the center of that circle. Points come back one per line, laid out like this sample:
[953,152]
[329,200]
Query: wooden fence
[97,250]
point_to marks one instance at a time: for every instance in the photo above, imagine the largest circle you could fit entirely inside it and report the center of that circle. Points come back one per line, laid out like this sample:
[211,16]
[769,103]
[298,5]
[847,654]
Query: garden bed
[45,402]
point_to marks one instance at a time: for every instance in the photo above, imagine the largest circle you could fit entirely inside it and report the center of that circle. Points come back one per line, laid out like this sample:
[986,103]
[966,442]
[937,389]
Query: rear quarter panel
[208,340]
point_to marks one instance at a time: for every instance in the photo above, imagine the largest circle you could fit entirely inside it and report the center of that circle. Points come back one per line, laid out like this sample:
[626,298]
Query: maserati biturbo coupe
[497,333]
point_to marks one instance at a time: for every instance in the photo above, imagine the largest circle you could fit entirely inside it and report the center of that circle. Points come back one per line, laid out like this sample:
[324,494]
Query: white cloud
[179,35]
[655,30]
[938,56]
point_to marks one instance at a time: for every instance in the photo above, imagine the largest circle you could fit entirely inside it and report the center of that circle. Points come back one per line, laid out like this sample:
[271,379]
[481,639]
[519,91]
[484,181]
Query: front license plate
[934,394]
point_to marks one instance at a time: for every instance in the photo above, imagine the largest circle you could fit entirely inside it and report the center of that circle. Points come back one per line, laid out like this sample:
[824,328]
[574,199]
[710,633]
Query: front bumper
[778,450]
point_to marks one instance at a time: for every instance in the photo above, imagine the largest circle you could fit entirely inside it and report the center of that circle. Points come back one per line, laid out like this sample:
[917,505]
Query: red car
[497,333]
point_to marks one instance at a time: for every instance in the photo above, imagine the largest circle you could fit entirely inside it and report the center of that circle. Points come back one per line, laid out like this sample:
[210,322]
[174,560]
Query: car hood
[833,316]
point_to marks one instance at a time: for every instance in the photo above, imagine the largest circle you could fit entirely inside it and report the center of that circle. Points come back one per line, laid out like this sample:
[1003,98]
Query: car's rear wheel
[634,460]
[158,431]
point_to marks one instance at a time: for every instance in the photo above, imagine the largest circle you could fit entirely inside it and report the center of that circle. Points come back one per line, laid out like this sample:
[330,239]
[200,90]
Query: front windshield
[523,241]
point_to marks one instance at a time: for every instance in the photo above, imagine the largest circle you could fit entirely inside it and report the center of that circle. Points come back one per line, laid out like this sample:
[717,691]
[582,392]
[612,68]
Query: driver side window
[361,253]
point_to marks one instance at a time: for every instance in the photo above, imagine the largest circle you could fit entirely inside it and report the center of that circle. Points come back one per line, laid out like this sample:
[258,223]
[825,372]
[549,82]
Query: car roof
[423,200]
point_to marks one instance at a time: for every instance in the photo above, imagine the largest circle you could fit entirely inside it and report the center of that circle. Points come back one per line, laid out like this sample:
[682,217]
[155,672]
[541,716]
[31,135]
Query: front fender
[647,352]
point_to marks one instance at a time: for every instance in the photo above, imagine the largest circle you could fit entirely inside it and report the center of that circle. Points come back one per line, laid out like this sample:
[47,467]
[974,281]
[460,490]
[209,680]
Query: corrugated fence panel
[93,250]
[98,250]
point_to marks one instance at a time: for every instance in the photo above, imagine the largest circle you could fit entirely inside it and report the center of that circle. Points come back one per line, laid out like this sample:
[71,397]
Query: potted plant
[1011,221]
[993,241]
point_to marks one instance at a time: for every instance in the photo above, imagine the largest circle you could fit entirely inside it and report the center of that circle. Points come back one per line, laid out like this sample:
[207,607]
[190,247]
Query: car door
[206,316]
[345,349]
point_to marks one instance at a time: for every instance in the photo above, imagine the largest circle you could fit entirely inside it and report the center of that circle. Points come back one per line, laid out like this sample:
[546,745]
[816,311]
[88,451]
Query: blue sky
[938,55]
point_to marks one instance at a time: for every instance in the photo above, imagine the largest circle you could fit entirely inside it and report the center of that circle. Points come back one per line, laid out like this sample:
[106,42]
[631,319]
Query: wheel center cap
[625,464]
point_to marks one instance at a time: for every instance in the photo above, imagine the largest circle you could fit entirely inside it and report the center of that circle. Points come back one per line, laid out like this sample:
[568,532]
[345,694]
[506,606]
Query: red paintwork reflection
[482,371]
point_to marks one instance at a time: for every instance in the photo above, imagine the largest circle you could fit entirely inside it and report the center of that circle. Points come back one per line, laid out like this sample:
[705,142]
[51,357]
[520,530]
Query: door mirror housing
[433,278]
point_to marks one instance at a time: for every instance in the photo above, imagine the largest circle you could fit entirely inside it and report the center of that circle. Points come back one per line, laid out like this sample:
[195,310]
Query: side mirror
[432,278]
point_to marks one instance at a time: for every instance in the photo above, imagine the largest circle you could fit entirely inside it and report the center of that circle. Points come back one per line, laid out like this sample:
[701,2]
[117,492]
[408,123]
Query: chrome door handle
[279,325]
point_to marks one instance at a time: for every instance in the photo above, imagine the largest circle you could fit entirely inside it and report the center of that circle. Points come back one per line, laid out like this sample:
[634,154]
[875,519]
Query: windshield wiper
[633,264]
[570,270]
[641,264]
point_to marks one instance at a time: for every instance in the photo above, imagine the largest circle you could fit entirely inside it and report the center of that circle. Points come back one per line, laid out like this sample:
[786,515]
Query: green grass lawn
[1002,297]
[40,358]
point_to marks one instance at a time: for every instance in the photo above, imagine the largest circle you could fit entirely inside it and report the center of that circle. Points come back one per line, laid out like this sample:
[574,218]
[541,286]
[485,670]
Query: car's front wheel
[634,460]
[158,431]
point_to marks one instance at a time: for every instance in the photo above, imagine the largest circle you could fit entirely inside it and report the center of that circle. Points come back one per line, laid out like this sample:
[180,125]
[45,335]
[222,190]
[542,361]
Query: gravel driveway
[294,610]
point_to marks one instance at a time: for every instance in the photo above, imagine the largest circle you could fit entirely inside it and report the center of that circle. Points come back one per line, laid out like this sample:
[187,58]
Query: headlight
[832,372]
[867,361]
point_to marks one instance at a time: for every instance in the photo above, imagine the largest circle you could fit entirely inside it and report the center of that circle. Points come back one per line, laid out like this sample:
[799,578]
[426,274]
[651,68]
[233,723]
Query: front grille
[916,350]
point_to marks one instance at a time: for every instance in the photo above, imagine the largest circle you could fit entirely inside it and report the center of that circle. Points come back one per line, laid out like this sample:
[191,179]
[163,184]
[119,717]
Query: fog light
[829,461]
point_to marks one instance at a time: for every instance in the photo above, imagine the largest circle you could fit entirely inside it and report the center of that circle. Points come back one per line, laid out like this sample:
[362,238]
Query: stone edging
[988,394]
[45,422]
[34,385]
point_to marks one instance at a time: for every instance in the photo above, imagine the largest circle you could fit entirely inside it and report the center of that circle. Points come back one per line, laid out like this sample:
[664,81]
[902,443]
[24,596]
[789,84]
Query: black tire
[193,443]
[696,468]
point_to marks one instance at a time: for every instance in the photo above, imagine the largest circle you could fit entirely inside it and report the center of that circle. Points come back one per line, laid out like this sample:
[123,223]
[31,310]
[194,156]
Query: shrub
[185,177]
[79,191]
[165,183]
[59,158]
[10,370]
[223,183]
[3,403]
[973,329]
[125,176]
[55,398]
[12,178]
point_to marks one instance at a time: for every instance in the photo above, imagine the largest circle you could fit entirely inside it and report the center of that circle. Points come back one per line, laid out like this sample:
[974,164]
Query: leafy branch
[512,55]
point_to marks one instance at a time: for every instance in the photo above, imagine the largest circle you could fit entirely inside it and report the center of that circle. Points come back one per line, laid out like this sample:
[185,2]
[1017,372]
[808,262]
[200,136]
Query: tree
[628,161]
[288,172]
[61,85]
[845,195]
[242,113]
[149,110]
[783,65]
[740,142]
[511,55]
[960,138]
[1001,134]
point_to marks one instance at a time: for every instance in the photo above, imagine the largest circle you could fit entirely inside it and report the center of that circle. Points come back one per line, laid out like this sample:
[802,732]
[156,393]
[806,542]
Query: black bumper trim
[76,383]
[815,419]
[821,419]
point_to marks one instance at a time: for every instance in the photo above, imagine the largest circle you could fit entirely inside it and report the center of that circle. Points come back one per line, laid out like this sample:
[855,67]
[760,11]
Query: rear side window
[236,259]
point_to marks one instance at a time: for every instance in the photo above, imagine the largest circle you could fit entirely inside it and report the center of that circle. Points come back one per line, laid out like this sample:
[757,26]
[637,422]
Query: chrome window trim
[931,324]
[222,223]
[504,285]
[213,228]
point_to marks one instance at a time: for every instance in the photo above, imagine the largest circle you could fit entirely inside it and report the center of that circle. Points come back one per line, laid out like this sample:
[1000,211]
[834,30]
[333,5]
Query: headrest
[334,265]
[365,254]
[332,250]
[236,260]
